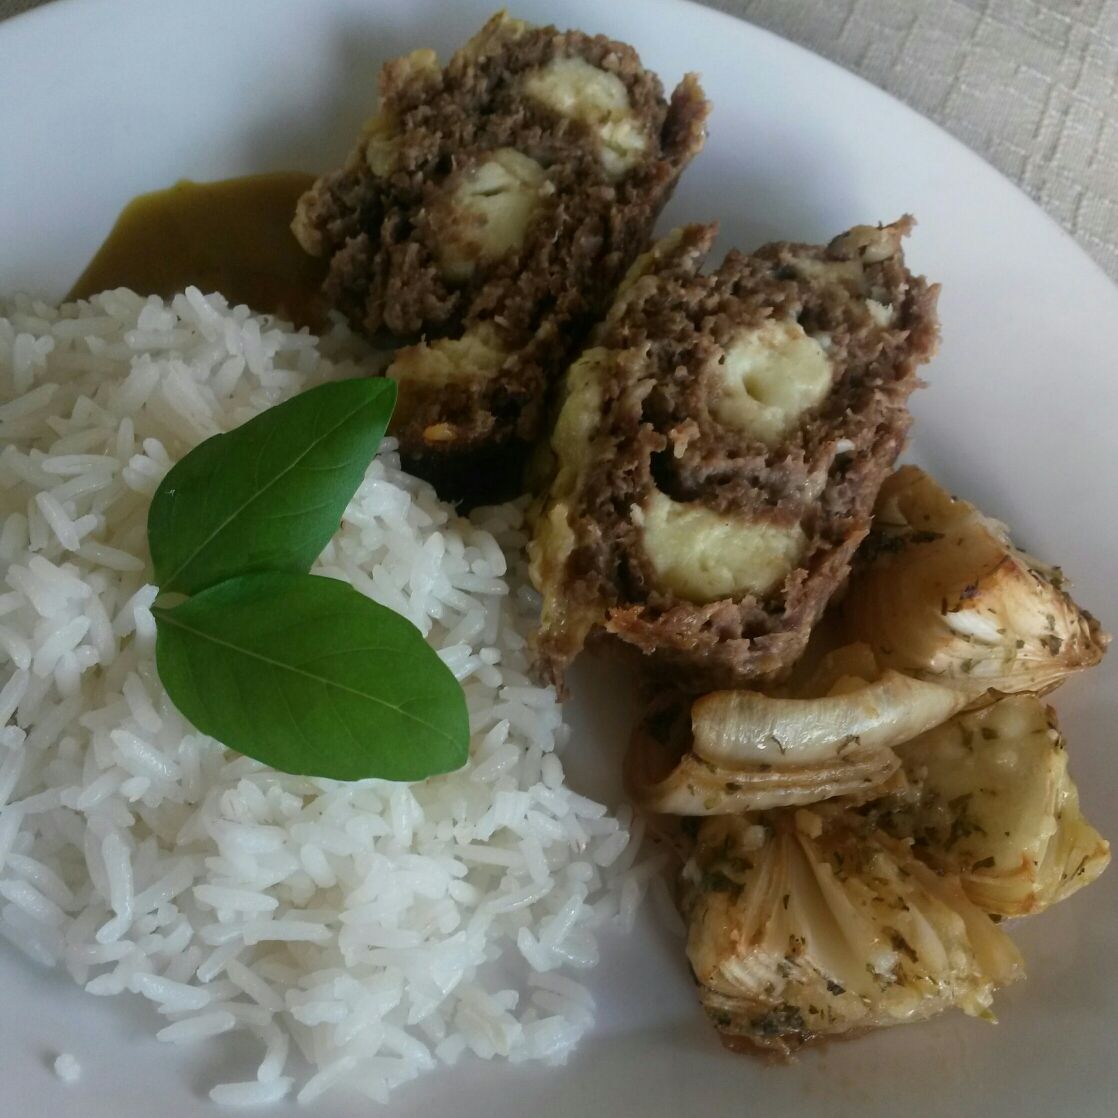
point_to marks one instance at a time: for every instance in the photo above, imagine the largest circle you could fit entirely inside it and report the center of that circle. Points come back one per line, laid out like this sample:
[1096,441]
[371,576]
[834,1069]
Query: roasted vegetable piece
[669,781]
[942,594]
[745,751]
[989,798]
[736,727]
[801,929]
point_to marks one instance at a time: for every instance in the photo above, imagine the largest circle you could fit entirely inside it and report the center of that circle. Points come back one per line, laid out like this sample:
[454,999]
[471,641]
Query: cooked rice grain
[366,922]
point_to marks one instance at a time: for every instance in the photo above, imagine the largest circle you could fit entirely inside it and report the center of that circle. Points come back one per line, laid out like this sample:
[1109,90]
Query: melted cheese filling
[704,556]
[576,90]
[769,377]
[493,205]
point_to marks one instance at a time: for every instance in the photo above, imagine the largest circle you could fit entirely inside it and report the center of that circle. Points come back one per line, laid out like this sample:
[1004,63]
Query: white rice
[363,933]
[67,1068]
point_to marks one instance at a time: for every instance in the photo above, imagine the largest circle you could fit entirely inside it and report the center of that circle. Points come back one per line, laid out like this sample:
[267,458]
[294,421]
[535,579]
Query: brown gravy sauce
[232,236]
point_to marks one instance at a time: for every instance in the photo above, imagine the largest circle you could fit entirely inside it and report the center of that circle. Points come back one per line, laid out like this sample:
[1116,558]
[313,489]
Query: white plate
[102,99]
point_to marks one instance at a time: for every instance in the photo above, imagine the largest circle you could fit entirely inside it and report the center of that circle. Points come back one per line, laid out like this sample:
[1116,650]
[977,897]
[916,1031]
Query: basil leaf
[310,676]
[268,495]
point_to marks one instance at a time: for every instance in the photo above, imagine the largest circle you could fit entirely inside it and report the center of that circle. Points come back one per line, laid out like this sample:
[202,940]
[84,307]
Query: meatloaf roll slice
[487,215]
[719,447]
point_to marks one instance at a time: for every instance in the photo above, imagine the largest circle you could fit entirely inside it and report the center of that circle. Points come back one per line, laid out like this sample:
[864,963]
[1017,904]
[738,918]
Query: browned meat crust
[659,431]
[384,223]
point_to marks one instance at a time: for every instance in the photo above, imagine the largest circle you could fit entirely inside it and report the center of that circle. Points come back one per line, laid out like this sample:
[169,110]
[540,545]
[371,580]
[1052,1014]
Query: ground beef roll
[719,447]
[486,215]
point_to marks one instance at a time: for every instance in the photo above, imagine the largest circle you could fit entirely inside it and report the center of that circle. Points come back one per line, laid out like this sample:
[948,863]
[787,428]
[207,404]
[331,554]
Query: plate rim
[762,40]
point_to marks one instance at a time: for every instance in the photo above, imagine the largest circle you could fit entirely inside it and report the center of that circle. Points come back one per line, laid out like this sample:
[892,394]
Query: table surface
[1031,85]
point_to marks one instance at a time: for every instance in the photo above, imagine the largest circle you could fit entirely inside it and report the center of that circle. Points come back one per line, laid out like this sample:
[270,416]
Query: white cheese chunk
[769,377]
[492,206]
[577,90]
[704,556]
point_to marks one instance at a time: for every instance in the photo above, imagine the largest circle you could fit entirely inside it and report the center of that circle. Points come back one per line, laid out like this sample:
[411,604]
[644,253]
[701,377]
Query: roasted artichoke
[939,784]
[942,594]
[744,751]
[988,797]
[802,928]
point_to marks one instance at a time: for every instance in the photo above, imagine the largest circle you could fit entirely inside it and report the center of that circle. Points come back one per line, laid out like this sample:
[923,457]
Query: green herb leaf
[310,676]
[268,495]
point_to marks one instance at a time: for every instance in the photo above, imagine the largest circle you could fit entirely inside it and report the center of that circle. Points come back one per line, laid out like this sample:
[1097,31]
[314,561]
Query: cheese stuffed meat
[719,447]
[485,219]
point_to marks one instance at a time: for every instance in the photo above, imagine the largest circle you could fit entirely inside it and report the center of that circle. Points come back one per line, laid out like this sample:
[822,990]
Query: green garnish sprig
[301,672]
